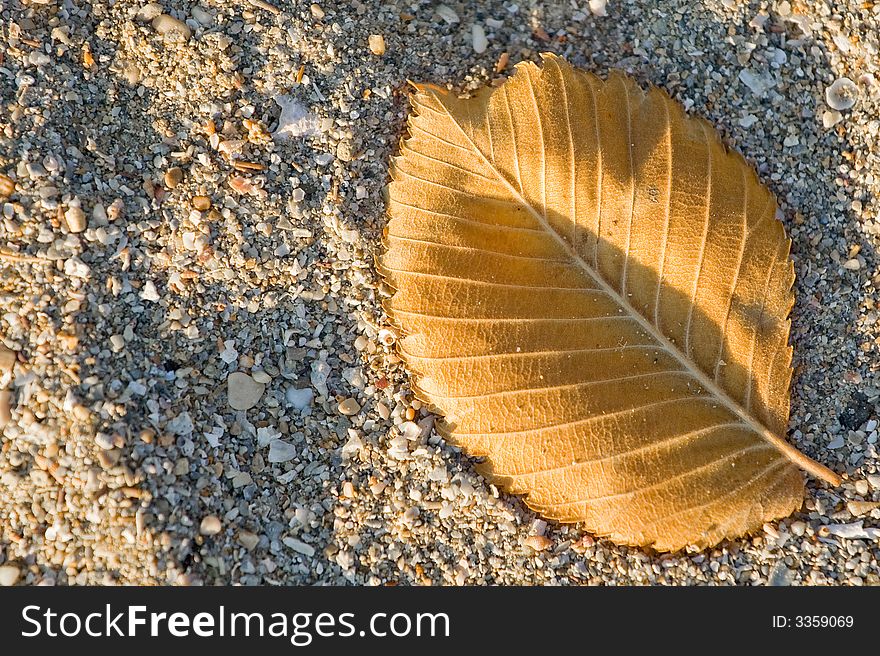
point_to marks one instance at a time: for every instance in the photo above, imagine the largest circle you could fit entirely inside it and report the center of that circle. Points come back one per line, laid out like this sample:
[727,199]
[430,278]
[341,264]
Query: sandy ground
[199,383]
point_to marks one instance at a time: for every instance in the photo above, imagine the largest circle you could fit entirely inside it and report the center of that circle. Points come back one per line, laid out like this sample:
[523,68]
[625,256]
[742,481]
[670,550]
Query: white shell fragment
[281,451]
[295,120]
[597,7]
[854,531]
[842,94]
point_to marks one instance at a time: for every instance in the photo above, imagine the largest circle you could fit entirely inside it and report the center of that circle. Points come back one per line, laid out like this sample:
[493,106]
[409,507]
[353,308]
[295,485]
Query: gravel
[197,381]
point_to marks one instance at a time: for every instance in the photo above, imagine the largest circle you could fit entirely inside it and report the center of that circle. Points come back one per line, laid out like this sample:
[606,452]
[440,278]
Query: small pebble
[447,14]
[349,407]
[75,219]
[5,408]
[537,542]
[248,540]
[261,377]
[299,398]
[165,24]
[173,177]
[149,11]
[831,118]
[858,508]
[9,575]
[478,38]
[281,451]
[210,525]
[377,44]
[149,292]
[201,203]
[300,547]
[598,7]
[243,391]
[7,359]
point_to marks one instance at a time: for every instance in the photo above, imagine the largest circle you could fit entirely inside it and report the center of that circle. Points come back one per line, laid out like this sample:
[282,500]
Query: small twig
[15,257]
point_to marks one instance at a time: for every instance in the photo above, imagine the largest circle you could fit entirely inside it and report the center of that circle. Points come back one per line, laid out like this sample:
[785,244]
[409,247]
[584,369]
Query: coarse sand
[198,383]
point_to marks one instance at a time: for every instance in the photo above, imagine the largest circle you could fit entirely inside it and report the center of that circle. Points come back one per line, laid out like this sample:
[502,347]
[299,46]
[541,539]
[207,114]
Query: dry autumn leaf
[595,294]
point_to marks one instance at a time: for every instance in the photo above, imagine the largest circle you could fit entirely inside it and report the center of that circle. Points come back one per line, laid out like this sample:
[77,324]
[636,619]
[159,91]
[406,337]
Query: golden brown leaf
[595,294]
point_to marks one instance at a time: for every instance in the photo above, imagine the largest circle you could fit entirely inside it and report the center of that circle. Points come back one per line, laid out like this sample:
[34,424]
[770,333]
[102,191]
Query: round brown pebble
[201,203]
[173,177]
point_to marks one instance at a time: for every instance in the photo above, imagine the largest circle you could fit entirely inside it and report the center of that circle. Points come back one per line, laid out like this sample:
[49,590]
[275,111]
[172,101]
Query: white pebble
[76,219]
[9,575]
[189,241]
[306,550]
[354,444]
[597,7]
[410,430]
[478,38]
[165,24]
[229,354]
[447,13]
[266,434]
[757,84]
[76,268]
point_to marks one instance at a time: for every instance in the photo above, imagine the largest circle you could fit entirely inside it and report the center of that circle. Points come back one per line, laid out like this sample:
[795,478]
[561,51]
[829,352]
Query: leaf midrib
[780,444]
